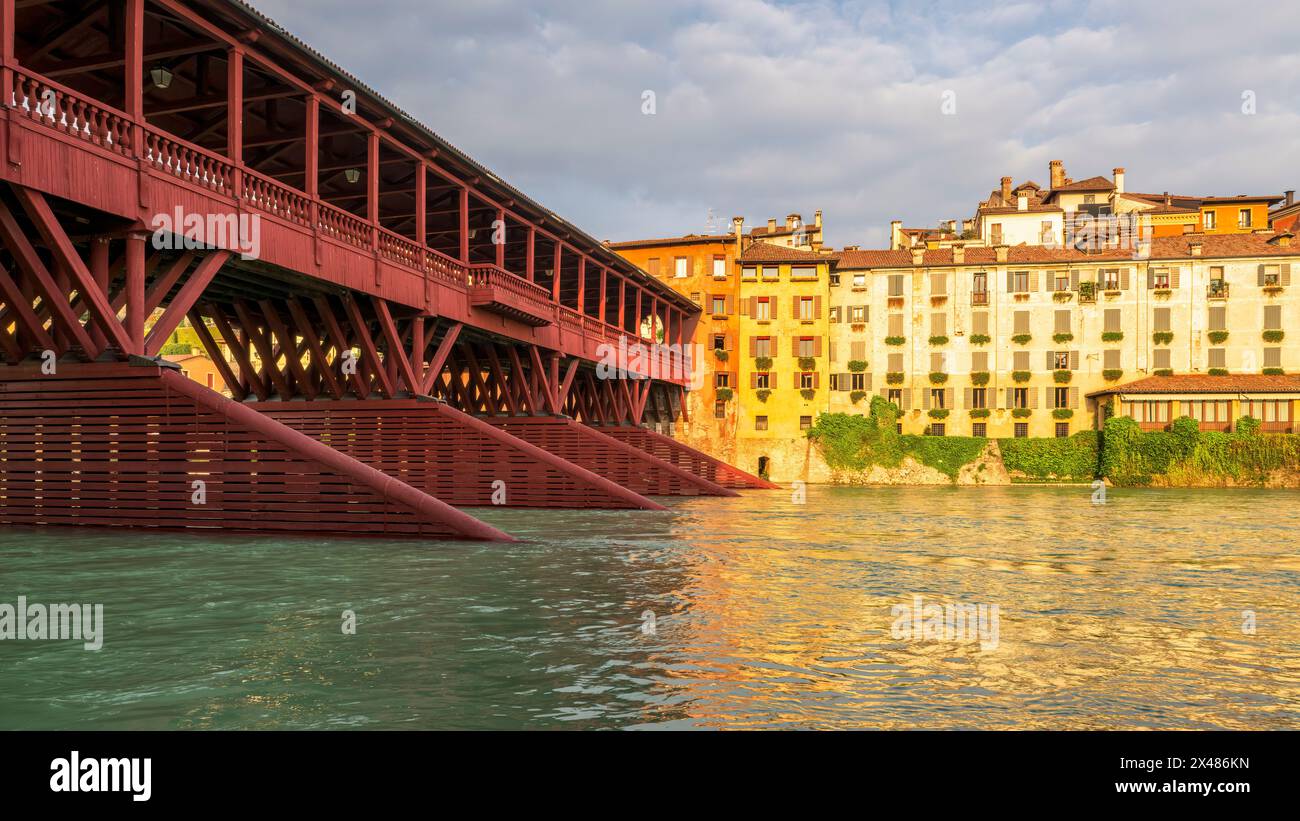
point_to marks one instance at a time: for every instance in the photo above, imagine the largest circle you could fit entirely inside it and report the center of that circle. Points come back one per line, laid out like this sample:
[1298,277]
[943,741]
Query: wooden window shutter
[1051,361]
[817,379]
[1074,280]
[1050,285]
[817,307]
[771,380]
[1033,280]
[1011,282]
[907,399]
[1011,398]
[1074,397]
[753,380]
[834,351]
[966,397]
[948,394]
[980,322]
[1074,360]
[753,346]
[728,300]
[1173,277]
[1151,278]
[925,399]
[866,381]
[794,346]
[744,307]
[1285,274]
[1124,275]
[845,380]
[884,393]
[817,346]
[1260,274]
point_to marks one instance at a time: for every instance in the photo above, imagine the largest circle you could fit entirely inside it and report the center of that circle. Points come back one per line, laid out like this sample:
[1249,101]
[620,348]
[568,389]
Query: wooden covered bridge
[403,332]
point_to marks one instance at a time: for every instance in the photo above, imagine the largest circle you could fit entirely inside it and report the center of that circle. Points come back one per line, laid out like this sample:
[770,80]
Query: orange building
[701,266]
[198,367]
[1235,215]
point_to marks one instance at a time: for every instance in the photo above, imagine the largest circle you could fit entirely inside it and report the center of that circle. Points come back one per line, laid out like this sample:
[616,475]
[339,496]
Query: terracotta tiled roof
[1269,198]
[1179,247]
[767,252]
[689,239]
[1090,184]
[1204,383]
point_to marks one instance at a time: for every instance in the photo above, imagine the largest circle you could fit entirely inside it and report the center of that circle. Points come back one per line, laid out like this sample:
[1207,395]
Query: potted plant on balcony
[938,413]
[1111,374]
[1020,376]
[895,340]
[724,394]
[894,378]
[1112,336]
[1217,371]
[938,378]
[1021,413]
[763,363]
[939,339]
[808,393]
[762,394]
[1162,337]
[857,365]
[1062,338]
[1062,413]
[979,378]
[1217,337]
[979,413]
[980,339]
[1087,292]
[1273,336]
[1022,339]
[857,396]
[807,363]
[1062,377]
[721,354]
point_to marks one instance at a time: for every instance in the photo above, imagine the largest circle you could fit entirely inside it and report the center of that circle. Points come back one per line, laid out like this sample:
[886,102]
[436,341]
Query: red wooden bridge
[403,332]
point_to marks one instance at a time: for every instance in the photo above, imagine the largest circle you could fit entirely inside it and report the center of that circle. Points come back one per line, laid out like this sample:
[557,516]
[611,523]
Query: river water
[767,613]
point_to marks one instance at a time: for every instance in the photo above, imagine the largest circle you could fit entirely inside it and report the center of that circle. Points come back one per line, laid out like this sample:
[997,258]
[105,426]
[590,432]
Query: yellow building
[782,372]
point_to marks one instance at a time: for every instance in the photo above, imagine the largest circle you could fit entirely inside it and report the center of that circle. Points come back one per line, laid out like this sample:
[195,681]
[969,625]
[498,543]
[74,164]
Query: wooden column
[531,263]
[134,77]
[501,246]
[372,180]
[135,310]
[604,278]
[421,204]
[622,304]
[312,183]
[6,43]
[582,283]
[99,272]
[555,280]
[464,225]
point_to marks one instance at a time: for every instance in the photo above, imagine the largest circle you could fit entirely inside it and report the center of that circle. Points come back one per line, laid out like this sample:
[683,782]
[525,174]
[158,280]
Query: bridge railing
[195,165]
[276,198]
[66,111]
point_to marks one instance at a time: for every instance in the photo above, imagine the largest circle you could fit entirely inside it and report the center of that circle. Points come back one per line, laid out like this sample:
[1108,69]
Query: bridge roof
[420,134]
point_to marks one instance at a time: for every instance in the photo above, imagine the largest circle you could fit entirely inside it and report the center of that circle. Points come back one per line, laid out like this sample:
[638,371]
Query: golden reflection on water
[1127,615]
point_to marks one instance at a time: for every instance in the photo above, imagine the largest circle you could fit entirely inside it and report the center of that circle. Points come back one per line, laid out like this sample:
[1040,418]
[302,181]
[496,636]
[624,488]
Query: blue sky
[764,109]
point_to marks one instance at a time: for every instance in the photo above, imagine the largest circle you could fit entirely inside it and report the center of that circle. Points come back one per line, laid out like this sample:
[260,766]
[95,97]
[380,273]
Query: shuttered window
[938,324]
[895,363]
[1112,320]
[1020,361]
[859,349]
[980,323]
[1110,359]
[979,361]
[937,363]
[938,284]
[1160,358]
[1272,317]
[1218,318]
[1021,322]
[895,284]
[895,324]
[1162,321]
[1062,325]
[1272,357]
[1218,358]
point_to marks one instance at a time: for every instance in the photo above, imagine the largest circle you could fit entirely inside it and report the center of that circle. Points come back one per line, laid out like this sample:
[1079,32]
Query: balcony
[501,292]
[979,297]
[1217,289]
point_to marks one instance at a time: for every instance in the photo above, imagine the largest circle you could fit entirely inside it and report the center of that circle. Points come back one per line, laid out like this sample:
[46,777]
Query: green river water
[767,613]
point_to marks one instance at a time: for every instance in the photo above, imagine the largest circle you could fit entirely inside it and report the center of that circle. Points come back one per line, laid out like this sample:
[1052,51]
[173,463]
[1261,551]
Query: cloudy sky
[767,108]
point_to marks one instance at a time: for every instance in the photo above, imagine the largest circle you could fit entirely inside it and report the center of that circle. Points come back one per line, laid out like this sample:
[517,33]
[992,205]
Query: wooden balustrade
[64,110]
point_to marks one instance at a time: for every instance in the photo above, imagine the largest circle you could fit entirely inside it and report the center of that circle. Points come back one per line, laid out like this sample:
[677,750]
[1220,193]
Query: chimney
[1000,253]
[1056,172]
[771,225]
[817,246]
[1168,200]
[1196,248]
[1022,203]
[1119,180]
[817,218]
[1290,197]
[918,256]
[958,254]
[1006,190]
[792,220]
[895,235]
[738,227]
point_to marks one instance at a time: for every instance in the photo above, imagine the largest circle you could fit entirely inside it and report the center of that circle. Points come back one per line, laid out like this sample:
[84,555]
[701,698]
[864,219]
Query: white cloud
[769,108]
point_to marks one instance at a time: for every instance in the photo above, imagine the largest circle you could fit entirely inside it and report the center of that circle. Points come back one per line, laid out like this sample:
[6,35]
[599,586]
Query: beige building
[1007,342]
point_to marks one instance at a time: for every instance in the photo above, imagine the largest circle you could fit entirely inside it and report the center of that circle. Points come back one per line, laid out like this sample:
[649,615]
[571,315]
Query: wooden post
[555,280]
[501,246]
[312,183]
[372,182]
[464,225]
[421,204]
[604,278]
[134,77]
[582,283]
[531,263]
[135,292]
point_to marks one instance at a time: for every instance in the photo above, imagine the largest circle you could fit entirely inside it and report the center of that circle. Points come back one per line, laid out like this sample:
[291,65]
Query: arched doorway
[763,465]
